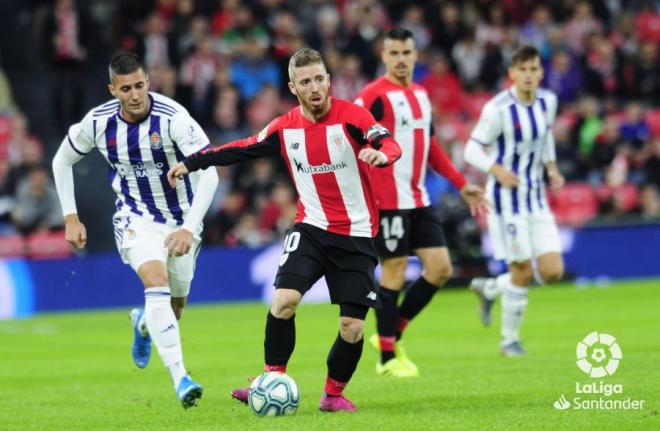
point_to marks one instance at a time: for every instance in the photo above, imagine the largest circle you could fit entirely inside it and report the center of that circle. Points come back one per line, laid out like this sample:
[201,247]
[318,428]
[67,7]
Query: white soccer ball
[274,394]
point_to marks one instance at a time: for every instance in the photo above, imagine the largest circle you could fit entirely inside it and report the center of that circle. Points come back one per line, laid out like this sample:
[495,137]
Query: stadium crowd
[226,61]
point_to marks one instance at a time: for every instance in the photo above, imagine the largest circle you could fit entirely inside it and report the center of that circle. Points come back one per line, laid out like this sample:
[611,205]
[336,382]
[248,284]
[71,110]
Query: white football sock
[495,286]
[164,330]
[514,303]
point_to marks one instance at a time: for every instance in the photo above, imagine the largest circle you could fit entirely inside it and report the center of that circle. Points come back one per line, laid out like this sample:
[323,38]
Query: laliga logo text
[598,355]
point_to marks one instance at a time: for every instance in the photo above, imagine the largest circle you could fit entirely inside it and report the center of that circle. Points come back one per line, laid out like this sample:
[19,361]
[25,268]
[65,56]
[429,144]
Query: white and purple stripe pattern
[140,154]
[518,148]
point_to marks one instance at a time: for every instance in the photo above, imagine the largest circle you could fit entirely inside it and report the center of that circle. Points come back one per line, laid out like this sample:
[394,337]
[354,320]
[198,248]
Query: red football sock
[277,368]
[333,387]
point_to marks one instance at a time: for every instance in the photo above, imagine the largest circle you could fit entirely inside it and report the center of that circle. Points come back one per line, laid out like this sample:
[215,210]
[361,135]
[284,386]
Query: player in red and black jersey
[408,222]
[331,147]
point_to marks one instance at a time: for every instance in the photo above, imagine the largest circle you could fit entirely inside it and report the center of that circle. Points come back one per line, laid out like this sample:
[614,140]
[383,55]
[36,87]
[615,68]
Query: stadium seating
[12,246]
[575,204]
[47,245]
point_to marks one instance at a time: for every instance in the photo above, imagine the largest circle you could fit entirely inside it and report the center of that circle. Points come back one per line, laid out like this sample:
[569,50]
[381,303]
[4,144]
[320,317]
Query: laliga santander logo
[598,355]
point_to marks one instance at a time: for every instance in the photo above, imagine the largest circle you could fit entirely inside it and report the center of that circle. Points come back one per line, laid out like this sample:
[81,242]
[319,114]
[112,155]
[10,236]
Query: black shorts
[347,262]
[402,231]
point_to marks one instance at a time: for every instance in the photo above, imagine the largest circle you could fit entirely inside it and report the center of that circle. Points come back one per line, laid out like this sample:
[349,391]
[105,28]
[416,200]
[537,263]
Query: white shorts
[139,241]
[517,238]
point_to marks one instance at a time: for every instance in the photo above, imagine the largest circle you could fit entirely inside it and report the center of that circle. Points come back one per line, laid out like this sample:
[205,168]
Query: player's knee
[393,275]
[438,274]
[283,309]
[552,274]
[351,329]
[522,276]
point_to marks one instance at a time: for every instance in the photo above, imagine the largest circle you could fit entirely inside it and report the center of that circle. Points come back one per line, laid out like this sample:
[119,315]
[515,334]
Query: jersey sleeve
[444,166]
[80,136]
[489,126]
[266,143]
[373,105]
[364,128]
[187,134]
[549,153]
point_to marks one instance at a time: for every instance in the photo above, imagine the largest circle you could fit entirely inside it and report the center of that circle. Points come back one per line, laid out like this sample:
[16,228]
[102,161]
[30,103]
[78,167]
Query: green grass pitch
[74,371]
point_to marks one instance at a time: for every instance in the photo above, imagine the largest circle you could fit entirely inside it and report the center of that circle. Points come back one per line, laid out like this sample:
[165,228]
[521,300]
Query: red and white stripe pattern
[334,187]
[406,113]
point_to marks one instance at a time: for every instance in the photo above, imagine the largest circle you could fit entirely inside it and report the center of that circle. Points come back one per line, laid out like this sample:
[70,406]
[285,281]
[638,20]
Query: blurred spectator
[7,105]
[349,81]
[566,152]
[251,71]
[581,25]
[536,31]
[182,19]
[413,20]
[603,68]
[37,205]
[646,75]
[468,56]
[563,76]
[449,29]
[226,218]
[156,47]
[198,71]
[276,216]
[444,88]
[22,147]
[587,129]
[652,164]
[227,125]
[225,17]
[246,232]
[492,30]
[634,128]
[192,36]
[6,199]
[649,202]
[604,149]
[647,23]
[165,81]
[243,30]
[66,31]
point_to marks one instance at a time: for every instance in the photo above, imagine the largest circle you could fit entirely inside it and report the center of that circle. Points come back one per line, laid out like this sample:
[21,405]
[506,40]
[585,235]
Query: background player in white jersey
[515,129]
[408,222]
[157,227]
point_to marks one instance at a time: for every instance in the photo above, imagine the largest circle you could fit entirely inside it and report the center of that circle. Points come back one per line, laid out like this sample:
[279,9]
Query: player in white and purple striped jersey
[513,143]
[157,227]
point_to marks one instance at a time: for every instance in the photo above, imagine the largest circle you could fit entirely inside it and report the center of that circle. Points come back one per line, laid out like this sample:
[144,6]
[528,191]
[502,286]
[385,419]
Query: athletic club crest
[155,141]
[338,140]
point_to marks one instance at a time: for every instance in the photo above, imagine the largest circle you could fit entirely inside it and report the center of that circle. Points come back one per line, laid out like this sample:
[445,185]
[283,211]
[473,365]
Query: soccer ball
[274,394]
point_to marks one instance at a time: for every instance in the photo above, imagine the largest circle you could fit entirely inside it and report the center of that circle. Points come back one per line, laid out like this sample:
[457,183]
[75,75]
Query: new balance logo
[294,146]
[372,296]
[319,169]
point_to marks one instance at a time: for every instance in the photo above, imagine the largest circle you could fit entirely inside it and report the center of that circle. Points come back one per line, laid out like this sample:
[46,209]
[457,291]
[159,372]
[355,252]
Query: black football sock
[280,340]
[418,296]
[386,322]
[343,359]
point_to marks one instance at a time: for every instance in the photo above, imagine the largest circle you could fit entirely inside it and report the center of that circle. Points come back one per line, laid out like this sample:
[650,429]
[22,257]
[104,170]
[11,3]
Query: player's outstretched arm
[66,156]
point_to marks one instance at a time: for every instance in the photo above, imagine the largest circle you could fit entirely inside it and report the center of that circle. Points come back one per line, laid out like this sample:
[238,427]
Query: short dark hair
[399,33]
[304,57]
[124,63]
[524,53]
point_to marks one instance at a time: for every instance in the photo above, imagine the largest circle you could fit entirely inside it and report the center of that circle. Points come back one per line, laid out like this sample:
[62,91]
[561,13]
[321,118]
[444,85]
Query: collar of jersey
[151,106]
[520,102]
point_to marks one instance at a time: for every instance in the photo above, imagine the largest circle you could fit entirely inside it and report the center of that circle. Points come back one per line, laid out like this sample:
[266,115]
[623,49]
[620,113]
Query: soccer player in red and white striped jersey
[408,222]
[331,147]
